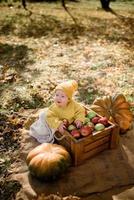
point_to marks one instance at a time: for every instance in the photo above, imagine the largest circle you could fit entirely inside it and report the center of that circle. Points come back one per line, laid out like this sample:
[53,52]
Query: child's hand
[61,127]
[78,123]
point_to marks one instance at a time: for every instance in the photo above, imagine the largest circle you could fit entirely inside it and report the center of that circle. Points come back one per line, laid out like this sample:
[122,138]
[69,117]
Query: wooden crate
[86,147]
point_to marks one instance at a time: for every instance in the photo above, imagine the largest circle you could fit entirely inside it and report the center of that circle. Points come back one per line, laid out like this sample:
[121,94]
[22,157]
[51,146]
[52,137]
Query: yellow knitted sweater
[71,112]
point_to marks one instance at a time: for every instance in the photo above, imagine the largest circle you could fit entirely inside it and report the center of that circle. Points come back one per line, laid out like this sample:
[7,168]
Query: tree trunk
[24,4]
[105,4]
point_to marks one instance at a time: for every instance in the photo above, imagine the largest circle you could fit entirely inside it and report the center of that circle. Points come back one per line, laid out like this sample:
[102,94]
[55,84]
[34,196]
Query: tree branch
[66,9]
[25,7]
[24,4]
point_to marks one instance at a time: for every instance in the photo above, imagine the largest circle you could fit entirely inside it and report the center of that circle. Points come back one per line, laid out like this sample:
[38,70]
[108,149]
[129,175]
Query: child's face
[60,98]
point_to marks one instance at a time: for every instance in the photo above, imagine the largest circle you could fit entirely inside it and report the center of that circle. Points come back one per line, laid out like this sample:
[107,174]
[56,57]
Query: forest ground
[38,51]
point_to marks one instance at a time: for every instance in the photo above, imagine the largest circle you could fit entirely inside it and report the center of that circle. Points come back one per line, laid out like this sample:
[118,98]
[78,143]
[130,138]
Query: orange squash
[116,109]
[48,161]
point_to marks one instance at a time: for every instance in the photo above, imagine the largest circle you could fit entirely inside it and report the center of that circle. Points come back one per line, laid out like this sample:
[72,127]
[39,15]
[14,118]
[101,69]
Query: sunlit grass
[47,46]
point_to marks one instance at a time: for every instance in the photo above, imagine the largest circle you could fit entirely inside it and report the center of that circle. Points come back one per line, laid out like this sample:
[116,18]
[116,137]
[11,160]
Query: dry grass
[38,51]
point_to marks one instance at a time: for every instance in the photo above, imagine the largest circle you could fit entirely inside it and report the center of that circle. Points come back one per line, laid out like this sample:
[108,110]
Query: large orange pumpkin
[116,109]
[48,161]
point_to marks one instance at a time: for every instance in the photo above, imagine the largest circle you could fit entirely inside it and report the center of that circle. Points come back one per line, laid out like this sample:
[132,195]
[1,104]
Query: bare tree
[66,9]
[24,4]
[62,2]
[105,4]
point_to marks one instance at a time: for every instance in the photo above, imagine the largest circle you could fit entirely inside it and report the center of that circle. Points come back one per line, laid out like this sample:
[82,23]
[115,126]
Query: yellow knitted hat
[69,87]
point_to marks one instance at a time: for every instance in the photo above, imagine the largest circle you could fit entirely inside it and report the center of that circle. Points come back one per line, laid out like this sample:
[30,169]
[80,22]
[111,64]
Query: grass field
[38,51]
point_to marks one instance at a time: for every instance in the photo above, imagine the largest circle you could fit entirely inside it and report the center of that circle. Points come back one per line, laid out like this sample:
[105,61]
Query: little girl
[64,107]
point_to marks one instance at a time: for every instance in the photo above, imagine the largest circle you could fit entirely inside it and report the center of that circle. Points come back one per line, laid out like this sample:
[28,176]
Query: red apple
[103,120]
[86,130]
[71,127]
[75,133]
[90,124]
[95,120]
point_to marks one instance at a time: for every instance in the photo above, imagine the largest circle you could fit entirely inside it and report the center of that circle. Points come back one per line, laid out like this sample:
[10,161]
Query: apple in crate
[86,120]
[91,114]
[71,127]
[95,120]
[75,133]
[86,130]
[99,127]
[90,124]
[103,120]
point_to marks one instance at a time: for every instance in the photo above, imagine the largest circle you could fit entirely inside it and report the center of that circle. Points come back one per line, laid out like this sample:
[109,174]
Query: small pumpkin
[116,109]
[48,161]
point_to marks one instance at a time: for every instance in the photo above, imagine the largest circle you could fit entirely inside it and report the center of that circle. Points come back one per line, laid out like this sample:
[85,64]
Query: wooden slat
[97,143]
[66,141]
[65,144]
[93,138]
[60,135]
[114,141]
[91,145]
[78,153]
[95,151]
